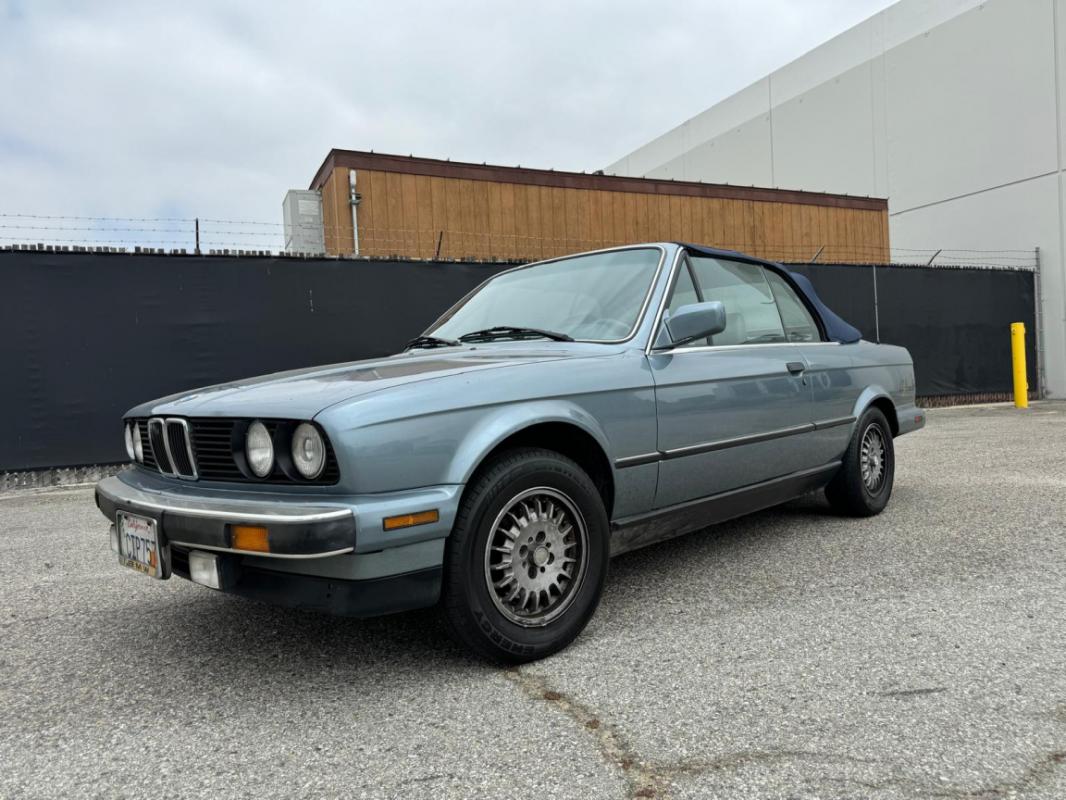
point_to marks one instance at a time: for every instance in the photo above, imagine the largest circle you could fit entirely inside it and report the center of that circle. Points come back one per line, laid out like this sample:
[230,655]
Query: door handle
[796,367]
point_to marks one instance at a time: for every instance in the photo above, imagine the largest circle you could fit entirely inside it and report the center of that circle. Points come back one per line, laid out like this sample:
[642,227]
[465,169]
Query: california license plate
[138,544]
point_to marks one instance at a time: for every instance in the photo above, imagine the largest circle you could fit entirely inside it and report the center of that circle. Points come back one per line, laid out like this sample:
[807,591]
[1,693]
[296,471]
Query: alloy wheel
[873,455]
[536,556]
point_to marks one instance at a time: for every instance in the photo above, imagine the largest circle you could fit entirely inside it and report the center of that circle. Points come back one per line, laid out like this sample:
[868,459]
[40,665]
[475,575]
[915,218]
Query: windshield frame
[653,283]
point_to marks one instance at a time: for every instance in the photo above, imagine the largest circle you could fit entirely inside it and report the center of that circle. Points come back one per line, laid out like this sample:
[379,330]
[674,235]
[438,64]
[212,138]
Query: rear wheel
[527,558]
[863,486]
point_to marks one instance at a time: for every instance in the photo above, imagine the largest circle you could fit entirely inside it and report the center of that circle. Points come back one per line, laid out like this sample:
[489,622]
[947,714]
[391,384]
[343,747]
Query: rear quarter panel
[846,379]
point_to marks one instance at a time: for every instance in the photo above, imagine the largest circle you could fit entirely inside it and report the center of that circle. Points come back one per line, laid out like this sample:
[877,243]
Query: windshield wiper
[431,341]
[513,332]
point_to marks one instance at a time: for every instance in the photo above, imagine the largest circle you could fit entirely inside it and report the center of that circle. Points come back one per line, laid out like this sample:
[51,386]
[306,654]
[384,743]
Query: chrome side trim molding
[725,444]
[739,441]
[638,461]
[719,348]
[833,423]
[291,556]
[677,351]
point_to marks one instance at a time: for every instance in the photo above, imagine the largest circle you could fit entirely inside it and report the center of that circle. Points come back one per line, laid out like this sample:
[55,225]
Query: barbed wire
[116,219]
[347,228]
[176,247]
[179,234]
[245,222]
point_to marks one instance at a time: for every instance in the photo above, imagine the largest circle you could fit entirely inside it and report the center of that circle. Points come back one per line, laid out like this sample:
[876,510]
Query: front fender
[439,448]
[437,432]
[505,421]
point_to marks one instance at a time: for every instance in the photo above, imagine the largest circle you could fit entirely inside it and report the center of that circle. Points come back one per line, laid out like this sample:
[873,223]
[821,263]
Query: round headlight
[129,441]
[308,450]
[138,445]
[259,450]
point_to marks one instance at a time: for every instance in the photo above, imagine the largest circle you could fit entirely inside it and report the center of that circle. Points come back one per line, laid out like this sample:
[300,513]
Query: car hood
[301,394]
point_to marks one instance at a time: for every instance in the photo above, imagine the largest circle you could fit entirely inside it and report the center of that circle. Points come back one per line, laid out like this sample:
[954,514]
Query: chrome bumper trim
[229,510]
[260,554]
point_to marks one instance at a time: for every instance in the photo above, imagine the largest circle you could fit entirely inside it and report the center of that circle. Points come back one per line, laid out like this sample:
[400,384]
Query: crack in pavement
[646,778]
[913,692]
[1037,774]
[642,779]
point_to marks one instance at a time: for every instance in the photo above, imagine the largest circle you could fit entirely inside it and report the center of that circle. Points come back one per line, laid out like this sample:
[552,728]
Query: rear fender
[869,396]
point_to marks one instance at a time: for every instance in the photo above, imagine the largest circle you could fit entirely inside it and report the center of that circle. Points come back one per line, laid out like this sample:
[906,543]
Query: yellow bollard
[1017,349]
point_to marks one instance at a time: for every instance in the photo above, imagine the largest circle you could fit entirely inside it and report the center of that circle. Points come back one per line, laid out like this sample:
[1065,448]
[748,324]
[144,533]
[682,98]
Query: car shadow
[205,632]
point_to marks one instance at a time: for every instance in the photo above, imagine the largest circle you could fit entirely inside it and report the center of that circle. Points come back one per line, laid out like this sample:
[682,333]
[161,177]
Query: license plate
[138,544]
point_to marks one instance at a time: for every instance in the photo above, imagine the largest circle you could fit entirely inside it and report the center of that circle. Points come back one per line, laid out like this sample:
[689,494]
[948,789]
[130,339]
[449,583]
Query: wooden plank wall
[403,214]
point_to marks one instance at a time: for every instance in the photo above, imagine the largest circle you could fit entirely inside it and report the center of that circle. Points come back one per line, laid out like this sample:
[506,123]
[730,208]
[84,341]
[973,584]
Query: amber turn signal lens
[250,537]
[409,520]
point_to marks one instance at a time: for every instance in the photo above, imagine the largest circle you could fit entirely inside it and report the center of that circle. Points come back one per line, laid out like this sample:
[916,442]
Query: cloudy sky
[144,109]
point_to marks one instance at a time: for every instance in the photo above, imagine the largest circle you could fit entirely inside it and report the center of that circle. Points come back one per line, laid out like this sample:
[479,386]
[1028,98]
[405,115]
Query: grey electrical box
[304,233]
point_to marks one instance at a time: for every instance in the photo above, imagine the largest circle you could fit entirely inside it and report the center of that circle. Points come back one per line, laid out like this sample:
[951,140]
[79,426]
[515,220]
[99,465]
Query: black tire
[472,614]
[849,492]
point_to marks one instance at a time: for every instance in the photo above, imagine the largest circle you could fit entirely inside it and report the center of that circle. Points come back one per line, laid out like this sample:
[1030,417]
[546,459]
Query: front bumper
[297,530]
[327,552]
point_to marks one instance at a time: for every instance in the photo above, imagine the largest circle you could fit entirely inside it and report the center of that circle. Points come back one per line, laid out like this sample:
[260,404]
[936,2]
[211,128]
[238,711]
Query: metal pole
[820,249]
[1038,324]
[436,256]
[877,310]
[1017,350]
[931,260]
[354,198]
[197,236]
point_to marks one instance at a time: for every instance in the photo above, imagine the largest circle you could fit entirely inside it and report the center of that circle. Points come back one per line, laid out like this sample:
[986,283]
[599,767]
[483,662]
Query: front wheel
[864,484]
[527,558]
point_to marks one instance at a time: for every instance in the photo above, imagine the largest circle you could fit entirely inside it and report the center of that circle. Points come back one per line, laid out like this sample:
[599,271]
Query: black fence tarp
[83,337]
[954,321]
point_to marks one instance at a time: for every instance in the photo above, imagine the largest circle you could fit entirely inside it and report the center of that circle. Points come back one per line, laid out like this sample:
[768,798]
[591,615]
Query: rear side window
[799,324]
[751,313]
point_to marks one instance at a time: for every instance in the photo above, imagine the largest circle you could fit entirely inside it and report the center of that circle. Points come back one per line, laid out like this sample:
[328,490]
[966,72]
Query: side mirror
[695,321]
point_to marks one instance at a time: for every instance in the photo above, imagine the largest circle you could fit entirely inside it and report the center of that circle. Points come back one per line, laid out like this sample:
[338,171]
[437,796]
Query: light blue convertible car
[561,413]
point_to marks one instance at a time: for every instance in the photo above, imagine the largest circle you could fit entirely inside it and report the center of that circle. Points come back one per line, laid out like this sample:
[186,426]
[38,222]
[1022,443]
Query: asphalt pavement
[791,654]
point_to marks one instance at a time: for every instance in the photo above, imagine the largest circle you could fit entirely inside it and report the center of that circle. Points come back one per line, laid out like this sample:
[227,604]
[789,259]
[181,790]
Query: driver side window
[751,313]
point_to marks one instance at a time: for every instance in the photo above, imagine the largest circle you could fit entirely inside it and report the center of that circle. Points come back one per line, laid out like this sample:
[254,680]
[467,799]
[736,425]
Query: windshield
[597,297]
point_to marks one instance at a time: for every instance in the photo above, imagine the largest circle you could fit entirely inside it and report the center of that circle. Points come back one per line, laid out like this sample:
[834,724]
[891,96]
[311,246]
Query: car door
[735,409]
[830,372]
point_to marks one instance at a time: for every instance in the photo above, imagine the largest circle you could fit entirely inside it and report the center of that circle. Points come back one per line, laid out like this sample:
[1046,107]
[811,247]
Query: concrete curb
[50,478]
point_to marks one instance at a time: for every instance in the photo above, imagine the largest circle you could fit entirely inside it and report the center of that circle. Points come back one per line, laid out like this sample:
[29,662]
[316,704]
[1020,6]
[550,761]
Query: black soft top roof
[835,327]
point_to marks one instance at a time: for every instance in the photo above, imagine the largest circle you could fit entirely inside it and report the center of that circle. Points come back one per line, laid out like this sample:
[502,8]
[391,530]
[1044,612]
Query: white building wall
[950,108]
